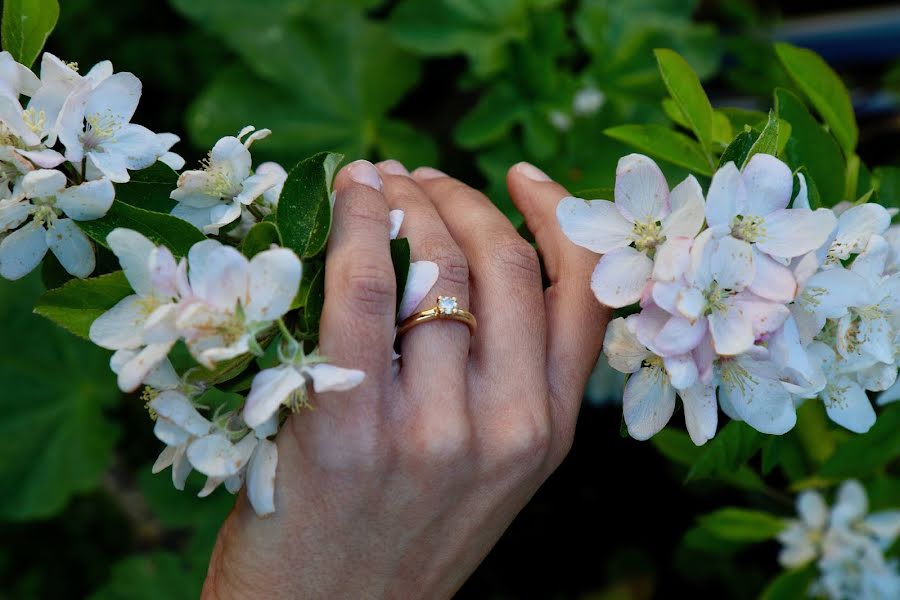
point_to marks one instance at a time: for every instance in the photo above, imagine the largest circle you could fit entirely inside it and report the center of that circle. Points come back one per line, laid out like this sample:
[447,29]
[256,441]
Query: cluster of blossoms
[847,543]
[61,155]
[749,300]
[222,306]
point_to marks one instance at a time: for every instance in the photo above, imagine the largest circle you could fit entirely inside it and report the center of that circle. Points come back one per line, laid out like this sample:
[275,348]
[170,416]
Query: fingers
[575,320]
[357,325]
[505,274]
[436,351]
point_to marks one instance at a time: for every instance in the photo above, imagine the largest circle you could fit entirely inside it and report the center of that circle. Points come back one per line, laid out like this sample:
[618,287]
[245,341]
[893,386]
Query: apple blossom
[45,199]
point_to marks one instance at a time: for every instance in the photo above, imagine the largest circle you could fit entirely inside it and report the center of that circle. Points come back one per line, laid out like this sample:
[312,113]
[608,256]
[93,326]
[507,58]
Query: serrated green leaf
[824,89]
[260,237]
[54,437]
[742,525]
[767,142]
[664,143]
[76,305]
[26,26]
[867,452]
[738,150]
[742,117]
[149,188]
[685,88]
[304,209]
[400,257]
[173,233]
[811,146]
[732,447]
[676,445]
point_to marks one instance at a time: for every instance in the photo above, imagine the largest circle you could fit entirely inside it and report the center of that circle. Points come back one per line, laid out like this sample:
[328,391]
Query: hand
[400,487]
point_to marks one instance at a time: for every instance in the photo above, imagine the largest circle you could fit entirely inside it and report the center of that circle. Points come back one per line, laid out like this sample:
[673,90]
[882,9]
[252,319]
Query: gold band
[446,308]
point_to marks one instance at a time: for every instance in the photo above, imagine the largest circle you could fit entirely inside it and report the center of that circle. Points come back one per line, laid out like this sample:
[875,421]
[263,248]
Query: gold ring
[446,308]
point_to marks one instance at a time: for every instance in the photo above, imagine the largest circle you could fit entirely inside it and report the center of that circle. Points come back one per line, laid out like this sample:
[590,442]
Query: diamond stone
[447,305]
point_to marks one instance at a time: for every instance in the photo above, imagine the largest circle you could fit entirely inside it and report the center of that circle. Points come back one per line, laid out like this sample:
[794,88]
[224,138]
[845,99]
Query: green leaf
[790,585]
[685,88]
[498,109]
[304,209]
[218,400]
[888,181]
[824,89]
[400,257]
[738,150]
[177,235]
[315,301]
[311,272]
[152,576]
[677,446]
[664,143]
[741,118]
[150,188]
[742,525]
[733,446]
[26,26]
[812,190]
[767,142]
[176,508]
[260,237]
[814,433]
[76,305]
[811,146]
[864,453]
[54,437]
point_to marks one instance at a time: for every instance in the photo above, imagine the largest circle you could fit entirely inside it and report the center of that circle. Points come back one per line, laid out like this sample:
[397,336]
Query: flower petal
[847,405]
[169,433]
[731,263]
[672,259]
[175,407]
[396,217]
[269,390]
[596,224]
[274,281]
[871,262]
[71,247]
[136,370]
[133,251]
[261,478]
[642,194]
[857,224]
[620,277]
[329,378]
[793,232]
[769,184]
[686,218]
[682,370]
[422,276]
[647,403]
[116,96]
[121,327]
[701,413]
[851,503]
[731,332]
[43,183]
[215,456]
[679,335]
[772,280]
[727,196]
[812,509]
[757,396]
[624,352]
[90,200]
[22,251]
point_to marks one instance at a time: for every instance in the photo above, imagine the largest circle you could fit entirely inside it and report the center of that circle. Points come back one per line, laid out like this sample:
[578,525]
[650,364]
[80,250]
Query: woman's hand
[400,487]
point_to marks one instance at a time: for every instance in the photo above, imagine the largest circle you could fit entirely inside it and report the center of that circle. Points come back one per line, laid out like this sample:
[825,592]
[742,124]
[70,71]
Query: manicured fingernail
[364,173]
[532,172]
[393,167]
[428,173]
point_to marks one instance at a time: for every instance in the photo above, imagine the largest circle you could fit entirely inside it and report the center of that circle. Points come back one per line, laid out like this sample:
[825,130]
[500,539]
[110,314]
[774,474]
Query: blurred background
[470,87]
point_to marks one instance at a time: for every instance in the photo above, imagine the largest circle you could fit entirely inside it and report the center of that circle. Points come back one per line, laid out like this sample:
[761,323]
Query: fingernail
[364,173]
[532,172]
[428,173]
[393,167]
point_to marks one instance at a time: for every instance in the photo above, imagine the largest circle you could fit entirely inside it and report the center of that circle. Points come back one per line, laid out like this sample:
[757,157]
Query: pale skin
[401,486]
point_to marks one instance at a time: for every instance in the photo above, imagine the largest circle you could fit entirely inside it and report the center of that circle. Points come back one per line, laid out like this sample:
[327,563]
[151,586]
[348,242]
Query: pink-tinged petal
[701,413]
[222,278]
[772,280]
[136,370]
[596,224]
[396,217]
[700,274]
[686,218]
[647,403]
[682,371]
[269,390]
[422,276]
[88,201]
[261,478]
[71,247]
[647,324]
[795,231]
[761,401]
[163,272]
[133,251]
[274,282]
[121,327]
[731,263]
[642,194]
[329,378]
[764,316]
[871,262]
[624,352]
[175,407]
[705,357]
[22,251]
[620,277]
[161,325]
[665,295]
[679,335]
[673,258]
[769,184]
[731,332]
[727,196]
[216,456]
[848,405]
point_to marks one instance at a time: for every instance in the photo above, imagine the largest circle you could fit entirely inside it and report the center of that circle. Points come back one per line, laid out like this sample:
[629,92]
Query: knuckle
[370,288]
[435,440]
[525,440]
[452,266]
[516,257]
